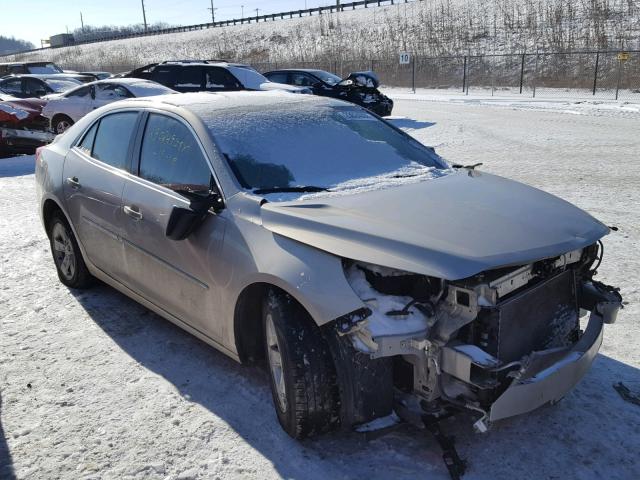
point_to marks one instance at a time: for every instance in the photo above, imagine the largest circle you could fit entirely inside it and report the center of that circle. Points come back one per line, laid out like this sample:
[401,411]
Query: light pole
[242,10]
[213,16]
[144,16]
[257,11]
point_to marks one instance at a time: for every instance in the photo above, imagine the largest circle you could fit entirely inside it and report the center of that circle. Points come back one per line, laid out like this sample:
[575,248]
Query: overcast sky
[35,19]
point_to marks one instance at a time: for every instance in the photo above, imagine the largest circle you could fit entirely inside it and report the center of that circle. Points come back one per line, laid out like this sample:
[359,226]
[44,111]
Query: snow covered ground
[93,385]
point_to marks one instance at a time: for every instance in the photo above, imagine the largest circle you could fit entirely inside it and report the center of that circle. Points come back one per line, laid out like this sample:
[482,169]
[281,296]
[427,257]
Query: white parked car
[65,109]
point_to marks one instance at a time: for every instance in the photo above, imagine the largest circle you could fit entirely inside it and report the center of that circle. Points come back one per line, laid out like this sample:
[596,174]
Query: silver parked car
[371,275]
[64,109]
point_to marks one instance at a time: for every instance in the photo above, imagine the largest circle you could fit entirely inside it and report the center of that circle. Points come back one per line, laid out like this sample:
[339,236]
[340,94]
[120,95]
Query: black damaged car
[360,88]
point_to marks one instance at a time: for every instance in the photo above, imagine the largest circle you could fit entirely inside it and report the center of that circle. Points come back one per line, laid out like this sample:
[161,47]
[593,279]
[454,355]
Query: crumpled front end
[22,125]
[501,343]
[361,88]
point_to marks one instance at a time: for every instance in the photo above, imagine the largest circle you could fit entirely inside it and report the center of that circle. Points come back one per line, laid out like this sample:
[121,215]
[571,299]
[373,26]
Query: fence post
[464,74]
[535,75]
[522,72]
[618,80]
[413,73]
[595,73]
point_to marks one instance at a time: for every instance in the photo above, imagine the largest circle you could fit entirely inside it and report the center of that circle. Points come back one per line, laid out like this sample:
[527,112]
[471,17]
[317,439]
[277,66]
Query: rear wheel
[303,377]
[67,256]
[61,123]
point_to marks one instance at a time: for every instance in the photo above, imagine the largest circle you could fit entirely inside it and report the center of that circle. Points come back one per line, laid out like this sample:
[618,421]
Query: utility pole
[144,16]
[213,16]
[82,22]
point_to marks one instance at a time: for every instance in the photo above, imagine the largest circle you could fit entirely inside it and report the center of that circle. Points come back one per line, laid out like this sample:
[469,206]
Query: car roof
[122,81]
[25,63]
[308,70]
[44,76]
[223,100]
[201,63]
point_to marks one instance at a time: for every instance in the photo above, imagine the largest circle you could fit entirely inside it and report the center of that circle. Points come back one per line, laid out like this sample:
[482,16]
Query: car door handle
[133,211]
[73,181]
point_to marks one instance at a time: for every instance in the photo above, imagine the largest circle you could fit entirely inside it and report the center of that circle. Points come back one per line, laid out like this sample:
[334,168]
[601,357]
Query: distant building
[61,40]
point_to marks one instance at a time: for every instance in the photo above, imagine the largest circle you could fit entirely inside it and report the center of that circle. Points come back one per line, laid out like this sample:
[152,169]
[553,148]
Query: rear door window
[111,144]
[166,75]
[12,87]
[189,79]
[171,156]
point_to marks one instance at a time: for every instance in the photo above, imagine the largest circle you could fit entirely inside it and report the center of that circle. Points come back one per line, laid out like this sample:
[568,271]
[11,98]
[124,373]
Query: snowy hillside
[433,27]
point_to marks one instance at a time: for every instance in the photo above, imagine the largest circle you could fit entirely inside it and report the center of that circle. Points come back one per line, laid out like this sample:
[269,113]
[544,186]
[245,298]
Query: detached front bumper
[14,137]
[549,375]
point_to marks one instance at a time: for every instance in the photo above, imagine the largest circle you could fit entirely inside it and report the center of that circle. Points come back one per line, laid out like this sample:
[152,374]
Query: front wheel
[61,123]
[303,376]
[67,256]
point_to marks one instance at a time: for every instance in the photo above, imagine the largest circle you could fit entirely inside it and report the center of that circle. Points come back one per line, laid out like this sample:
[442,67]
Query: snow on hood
[11,110]
[450,227]
[282,86]
[18,110]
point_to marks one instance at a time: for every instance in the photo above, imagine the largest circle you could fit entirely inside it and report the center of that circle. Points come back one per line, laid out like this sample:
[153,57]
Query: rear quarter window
[111,144]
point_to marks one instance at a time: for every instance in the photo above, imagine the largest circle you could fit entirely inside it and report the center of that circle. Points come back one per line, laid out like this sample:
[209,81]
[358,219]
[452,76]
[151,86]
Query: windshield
[148,89]
[44,69]
[249,77]
[315,147]
[327,77]
[59,86]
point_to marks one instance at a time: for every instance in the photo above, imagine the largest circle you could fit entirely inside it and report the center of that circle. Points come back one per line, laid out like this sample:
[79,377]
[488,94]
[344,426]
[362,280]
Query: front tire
[301,369]
[61,123]
[67,256]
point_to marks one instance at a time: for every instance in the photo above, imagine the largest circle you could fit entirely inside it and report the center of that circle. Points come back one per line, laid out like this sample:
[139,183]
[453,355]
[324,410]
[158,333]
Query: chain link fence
[606,74]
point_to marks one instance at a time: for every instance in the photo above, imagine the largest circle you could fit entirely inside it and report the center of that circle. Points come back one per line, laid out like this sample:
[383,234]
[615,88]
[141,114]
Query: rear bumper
[549,375]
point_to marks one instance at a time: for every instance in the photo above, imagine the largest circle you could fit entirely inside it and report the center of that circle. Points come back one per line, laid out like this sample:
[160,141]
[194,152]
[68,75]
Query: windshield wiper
[300,189]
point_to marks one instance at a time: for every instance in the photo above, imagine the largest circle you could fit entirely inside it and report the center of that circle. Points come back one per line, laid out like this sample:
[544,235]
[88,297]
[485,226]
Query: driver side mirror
[184,221]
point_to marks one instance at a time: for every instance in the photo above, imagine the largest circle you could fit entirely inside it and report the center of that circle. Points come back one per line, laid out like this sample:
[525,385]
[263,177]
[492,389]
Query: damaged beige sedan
[374,279]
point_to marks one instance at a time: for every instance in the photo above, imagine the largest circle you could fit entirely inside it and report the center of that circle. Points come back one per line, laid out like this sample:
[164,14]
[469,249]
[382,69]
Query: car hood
[282,86]
[450,227]
[20,110]
[361,79]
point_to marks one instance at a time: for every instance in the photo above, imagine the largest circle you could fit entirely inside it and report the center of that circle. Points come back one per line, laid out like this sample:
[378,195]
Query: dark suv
[39,68]
[209,76]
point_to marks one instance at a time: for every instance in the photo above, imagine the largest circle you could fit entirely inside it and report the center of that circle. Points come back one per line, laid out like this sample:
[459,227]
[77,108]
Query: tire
[61,123]
[304,388]
[66,253]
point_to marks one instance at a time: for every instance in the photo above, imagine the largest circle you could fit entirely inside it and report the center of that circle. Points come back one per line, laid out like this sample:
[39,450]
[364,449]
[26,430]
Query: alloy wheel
[275,363]
[64,253]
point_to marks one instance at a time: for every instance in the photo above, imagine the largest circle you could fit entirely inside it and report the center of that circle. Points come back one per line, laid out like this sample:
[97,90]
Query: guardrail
[227,23]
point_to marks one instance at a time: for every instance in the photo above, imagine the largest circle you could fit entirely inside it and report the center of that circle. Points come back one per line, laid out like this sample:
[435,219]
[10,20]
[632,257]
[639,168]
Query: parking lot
[93,385]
